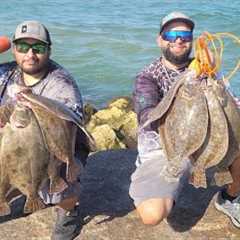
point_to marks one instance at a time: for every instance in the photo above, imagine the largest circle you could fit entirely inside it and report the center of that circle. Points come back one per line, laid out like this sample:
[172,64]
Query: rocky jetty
[113,127]
[107,211]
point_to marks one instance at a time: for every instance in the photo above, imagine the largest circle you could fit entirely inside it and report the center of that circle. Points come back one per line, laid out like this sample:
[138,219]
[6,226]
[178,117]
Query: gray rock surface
[108,212]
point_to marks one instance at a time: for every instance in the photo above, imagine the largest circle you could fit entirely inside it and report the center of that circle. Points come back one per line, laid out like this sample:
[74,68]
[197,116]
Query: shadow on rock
[105,191]
[191,205]
[105,184]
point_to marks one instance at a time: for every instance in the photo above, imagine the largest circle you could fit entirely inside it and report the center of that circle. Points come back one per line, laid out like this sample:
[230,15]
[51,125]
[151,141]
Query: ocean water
[105,43]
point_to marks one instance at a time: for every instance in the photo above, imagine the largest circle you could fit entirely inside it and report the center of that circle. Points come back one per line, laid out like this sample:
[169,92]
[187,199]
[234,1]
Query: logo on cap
[24,28]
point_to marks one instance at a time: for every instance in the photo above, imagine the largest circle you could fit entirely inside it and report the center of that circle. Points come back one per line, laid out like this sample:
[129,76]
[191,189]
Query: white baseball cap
[32,29]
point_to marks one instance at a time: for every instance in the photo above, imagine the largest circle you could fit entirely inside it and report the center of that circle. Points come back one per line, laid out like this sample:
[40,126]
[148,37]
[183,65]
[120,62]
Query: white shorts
[148,180]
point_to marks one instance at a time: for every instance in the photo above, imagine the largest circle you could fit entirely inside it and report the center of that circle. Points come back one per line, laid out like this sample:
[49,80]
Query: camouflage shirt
[151,85]
[57,84]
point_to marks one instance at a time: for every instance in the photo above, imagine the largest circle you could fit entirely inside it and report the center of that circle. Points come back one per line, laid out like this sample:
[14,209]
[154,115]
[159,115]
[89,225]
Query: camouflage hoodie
[151,85]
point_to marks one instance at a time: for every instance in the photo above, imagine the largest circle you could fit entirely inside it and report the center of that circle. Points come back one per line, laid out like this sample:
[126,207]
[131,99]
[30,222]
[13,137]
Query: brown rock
[128,130]
[37,226]
[123,102]
[105,138]
[122,125]
[111,116]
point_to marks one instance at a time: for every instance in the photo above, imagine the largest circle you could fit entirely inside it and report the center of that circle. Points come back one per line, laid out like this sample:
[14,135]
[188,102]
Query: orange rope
[209,56]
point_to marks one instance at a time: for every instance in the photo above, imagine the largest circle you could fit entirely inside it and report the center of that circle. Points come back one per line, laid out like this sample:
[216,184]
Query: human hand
[15,92]
[23,101]
[2,124]
[209,53]
[204,54]
[15,89]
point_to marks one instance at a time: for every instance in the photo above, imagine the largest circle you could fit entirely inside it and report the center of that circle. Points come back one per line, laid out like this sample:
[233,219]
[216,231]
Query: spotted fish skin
[60,141]
[185,126]
[59,110]
[198,120]
[216,142]
[24,160]
[62,138]
[232,114]
[27,162]
[37,138]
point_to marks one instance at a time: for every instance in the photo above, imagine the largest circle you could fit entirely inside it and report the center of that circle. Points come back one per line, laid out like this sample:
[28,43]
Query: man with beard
[153,195]
[34,68]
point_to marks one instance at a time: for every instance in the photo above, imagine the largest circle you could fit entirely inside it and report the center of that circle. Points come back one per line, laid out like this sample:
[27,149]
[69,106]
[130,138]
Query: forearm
[146,96]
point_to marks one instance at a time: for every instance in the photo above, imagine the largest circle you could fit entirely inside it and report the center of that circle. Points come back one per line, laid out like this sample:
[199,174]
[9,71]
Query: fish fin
[222,178]
[73,171]
[168,176]
[33,204]
[174,169]
[4,209]
[199,178]
[57,185]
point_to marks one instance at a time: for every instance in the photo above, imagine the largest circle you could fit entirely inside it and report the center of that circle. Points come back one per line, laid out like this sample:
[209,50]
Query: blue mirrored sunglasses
[172,36]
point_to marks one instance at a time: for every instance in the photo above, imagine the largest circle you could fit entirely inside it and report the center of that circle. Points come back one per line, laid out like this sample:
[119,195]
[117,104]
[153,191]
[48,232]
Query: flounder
[216,142]
[232,115]
[198,119]
[24,159]
[185,126]
[53,127]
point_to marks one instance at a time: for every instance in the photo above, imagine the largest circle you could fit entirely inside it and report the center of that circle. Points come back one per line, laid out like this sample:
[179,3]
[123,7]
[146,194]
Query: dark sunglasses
[172,36]
[37,48]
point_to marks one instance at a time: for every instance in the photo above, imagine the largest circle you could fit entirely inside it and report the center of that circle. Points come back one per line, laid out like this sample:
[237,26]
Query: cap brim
[29,36]
[187,21]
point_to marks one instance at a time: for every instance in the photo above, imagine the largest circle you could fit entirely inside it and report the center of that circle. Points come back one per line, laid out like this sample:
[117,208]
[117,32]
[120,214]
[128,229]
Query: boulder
[120,118]
[128,131]
[111,116]
[106,138]
[123,102]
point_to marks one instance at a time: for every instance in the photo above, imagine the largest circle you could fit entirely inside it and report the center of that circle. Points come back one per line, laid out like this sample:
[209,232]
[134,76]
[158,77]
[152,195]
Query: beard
[176,59]
[34,70]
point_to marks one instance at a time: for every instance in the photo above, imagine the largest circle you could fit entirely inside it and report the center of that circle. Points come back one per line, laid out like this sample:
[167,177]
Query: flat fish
[58,109]
[163,106]
[216,143]
[60,137]
[232,114]
[24,160]
[185,126]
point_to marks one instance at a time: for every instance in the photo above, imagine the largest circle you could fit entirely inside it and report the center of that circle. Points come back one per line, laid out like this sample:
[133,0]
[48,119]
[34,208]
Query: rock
[128,130]
[111,116]
[106,138]
[124,102]
[37,226]
[89,110]
[122,120]
[108,212]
